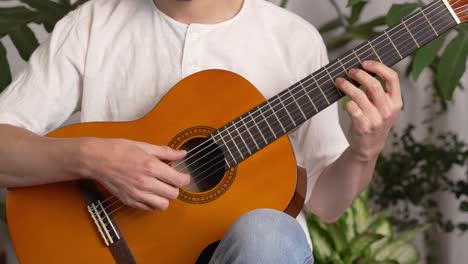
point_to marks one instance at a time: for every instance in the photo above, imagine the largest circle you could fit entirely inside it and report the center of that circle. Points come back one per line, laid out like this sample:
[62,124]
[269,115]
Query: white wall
[317,12]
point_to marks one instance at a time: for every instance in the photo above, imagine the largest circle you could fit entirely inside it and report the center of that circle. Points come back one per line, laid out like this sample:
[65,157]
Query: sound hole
[204,163]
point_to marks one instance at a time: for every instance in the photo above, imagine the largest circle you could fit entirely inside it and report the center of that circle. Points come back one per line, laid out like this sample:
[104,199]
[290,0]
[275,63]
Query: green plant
[413,172]
[445,57]
[15,22]
[361,237]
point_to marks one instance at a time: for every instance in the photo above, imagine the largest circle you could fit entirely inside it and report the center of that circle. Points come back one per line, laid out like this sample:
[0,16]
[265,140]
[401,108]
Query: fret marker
[422,11]
[318,86]
[305,91]
[385,32]
[259,130]
[404,24]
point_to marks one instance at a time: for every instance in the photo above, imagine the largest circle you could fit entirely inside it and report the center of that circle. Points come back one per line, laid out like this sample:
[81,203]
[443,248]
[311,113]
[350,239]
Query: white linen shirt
[113,60]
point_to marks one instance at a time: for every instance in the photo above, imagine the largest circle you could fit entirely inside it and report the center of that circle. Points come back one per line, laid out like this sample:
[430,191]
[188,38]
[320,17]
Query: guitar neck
[289,109]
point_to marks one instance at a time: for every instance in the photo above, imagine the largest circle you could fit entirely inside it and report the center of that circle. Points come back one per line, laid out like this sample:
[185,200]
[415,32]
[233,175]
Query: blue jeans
[264,236]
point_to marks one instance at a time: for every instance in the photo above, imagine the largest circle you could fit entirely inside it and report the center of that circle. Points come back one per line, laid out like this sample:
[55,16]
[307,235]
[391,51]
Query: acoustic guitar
[239,157]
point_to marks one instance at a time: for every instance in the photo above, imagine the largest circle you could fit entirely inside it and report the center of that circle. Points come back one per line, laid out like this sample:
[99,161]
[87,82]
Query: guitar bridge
[103,223]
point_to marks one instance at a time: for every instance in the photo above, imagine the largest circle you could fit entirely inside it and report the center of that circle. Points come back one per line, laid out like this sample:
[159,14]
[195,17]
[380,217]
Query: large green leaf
[358,246]
[337,236]
[425,56]
[13,18]
[406,254]
[398,11]
[361,214]
[321,240]
[346,224]
[452,65]
[25,41]
[396,244]
[5,74]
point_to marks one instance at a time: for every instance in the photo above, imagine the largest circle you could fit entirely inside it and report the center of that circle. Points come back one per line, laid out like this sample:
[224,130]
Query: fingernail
[366,63]
[339,80]
[353,70]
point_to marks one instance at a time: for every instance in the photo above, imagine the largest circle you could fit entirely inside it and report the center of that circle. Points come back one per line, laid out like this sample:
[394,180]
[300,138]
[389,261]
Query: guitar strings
[325,77]
[319,79]
[292,88]
[407,42]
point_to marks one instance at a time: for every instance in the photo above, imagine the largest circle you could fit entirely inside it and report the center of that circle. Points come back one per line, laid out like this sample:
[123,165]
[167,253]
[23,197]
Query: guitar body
[50,224]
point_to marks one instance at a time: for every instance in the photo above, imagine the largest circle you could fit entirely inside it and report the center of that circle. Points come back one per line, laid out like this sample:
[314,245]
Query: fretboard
[282,113]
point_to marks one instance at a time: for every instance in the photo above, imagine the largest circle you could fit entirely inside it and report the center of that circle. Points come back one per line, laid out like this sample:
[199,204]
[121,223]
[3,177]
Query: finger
[163,152]
[359,97]
[166,173]
[392,81]
[374,89]
[159,188]
[154,202]
[358,117]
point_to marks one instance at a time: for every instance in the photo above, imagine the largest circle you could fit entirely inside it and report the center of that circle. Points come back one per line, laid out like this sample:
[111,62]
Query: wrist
[74,156]
[362,155]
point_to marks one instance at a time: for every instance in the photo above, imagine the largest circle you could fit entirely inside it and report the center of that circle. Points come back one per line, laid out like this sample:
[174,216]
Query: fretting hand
[372,112]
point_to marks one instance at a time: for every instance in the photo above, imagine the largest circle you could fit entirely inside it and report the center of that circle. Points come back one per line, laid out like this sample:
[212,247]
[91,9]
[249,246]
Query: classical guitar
[239,157]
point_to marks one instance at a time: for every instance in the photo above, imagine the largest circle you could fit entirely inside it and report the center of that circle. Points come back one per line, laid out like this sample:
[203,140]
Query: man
[113,60]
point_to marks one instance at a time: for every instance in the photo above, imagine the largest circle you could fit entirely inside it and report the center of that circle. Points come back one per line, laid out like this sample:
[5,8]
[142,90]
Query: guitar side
[50,223]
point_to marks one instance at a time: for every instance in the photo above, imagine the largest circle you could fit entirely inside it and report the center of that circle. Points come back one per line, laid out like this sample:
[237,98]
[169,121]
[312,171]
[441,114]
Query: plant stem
[342,17]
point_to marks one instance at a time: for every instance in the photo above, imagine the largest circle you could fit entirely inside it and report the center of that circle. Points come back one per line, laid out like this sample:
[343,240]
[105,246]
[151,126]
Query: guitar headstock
[460,8]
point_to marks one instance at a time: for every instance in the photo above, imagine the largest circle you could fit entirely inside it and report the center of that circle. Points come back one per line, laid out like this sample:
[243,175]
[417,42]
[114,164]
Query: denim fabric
[264,236]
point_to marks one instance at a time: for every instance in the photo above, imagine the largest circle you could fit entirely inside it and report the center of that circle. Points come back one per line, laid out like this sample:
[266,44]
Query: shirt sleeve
[320,140]
[48,90]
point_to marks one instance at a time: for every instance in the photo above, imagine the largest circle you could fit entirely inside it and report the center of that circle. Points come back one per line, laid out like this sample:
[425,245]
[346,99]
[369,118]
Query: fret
[388,37]
[304,99]
[256,125]
[376,54]
[429,22]
[269,118]
[342,66]
[282,110]
[356,55]
[315,94]
[422,31]
[250,133]
[298,106]
[225,147]
[263,124]
[318,86]
[441,20]
[308,96]
[279,108]
[242,138]
[404,24]
[233,142]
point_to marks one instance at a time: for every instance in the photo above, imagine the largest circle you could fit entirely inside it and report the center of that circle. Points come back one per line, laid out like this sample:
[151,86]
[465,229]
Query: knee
[269,234]
[268,225]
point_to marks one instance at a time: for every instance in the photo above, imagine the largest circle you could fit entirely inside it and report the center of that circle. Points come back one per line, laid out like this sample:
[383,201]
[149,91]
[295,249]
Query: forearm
[339,184]
[28,159]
